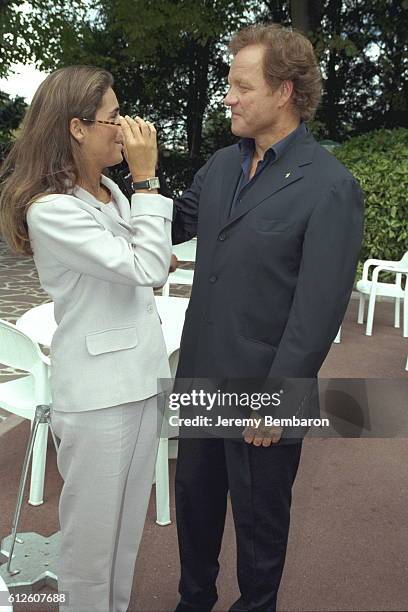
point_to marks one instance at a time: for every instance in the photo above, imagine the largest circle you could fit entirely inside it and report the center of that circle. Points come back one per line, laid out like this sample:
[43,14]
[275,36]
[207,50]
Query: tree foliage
[11,113]
[35,30]
[167,57]
[170,62]
[363,50]
[379,160]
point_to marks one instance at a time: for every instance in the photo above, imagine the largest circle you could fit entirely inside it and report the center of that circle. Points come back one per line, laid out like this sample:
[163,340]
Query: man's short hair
[289,55]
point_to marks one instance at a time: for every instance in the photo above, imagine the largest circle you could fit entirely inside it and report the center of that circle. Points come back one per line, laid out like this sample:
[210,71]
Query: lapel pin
[287,174]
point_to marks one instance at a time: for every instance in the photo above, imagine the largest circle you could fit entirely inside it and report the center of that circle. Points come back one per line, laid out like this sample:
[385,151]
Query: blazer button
[150,308]
[213,279]
[222,236]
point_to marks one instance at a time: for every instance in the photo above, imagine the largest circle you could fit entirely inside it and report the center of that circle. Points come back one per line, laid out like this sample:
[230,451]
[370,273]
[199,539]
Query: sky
[23,81]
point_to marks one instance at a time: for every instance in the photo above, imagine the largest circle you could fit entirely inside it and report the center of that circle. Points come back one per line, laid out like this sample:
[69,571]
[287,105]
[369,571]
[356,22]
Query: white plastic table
[40,325]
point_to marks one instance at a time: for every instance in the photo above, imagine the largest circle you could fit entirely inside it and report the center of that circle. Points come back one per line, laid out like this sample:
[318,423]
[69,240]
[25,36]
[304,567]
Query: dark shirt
[247,146]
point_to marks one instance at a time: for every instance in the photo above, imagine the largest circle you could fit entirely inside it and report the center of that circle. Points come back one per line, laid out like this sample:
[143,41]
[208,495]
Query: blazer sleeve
[77,240]
[330,254]
[186,206]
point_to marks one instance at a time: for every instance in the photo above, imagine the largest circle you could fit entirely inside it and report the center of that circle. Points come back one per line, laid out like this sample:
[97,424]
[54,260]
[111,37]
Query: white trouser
[106,458]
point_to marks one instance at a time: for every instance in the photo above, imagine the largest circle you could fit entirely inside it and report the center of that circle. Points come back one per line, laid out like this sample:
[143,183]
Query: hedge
[379,161]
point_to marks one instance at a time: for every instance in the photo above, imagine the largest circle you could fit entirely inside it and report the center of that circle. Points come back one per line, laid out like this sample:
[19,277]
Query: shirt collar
[247,145]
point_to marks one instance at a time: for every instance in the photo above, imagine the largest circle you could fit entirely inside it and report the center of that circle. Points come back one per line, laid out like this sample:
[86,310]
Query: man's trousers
[260,483]
[106,458]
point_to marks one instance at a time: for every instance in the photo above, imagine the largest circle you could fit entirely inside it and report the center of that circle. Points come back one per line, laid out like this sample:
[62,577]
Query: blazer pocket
[273,226]
[109,340]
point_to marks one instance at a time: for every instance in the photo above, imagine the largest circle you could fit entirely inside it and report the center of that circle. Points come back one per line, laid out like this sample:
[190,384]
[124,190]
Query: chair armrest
[393,269]
[375,262]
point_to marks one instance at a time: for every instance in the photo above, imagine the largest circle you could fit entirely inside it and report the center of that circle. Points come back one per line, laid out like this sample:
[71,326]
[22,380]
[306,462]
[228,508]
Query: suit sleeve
[330,254]
[77,240]
[185,211]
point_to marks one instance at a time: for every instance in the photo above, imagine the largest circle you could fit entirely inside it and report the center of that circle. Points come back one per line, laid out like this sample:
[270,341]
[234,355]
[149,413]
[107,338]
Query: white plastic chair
[186,251]
[372,288]
[337,339]
[162,465]
[22,395]
[4,591]
[39,323]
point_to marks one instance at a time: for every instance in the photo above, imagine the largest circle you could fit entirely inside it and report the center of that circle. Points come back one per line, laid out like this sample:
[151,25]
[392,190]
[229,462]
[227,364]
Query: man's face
[254,106]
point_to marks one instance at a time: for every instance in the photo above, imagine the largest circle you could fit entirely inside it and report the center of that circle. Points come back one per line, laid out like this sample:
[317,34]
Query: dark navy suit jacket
[273,280]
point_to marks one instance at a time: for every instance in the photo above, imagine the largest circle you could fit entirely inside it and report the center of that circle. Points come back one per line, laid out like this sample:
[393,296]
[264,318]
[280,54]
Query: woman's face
[102,143]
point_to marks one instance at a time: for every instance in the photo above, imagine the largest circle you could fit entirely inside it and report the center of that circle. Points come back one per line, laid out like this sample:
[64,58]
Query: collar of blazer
[110,218]
[279,175]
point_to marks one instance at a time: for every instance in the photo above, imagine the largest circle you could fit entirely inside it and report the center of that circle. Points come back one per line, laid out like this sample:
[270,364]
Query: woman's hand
[140,147]
[173,263]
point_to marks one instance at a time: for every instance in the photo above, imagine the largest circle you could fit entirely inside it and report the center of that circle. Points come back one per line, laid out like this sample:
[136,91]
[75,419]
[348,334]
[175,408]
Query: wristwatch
[151,183]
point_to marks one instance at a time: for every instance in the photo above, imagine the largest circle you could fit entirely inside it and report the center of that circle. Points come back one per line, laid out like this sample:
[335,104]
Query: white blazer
[99,268]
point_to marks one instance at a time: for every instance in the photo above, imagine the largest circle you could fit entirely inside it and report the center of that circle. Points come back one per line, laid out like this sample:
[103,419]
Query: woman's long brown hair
[45,158]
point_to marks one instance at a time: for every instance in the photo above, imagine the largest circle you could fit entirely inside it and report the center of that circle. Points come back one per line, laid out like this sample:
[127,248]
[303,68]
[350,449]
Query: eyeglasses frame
[99,121]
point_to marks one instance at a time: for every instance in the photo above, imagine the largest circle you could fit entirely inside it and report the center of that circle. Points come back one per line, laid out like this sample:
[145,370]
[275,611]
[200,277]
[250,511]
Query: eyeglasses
[100,121]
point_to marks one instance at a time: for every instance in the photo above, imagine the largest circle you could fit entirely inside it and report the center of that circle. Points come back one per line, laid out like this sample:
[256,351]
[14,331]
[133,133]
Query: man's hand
[261,435]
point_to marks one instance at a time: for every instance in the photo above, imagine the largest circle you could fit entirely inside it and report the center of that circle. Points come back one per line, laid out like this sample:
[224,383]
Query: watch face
[154,183]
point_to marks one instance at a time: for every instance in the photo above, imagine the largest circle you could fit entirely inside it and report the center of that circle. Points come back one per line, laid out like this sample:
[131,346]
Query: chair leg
[361,308]
[405,317]
[370,313]
[162,484]
[338,337]
[397,306]
[42,416]
[38,466]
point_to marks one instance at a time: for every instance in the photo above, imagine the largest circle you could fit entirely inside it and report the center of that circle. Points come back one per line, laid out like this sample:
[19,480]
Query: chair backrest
[19,351]
[16,349]
[186,251]
[173,362]
[404,261]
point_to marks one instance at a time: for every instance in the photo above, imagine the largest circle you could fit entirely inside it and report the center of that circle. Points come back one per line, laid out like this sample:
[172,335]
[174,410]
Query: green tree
[11,113]
[363,52]
[306,15]
[170,62]
[168,58]
[34,30]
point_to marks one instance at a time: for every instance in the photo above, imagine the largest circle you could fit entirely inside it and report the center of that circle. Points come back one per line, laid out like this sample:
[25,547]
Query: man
[279,227]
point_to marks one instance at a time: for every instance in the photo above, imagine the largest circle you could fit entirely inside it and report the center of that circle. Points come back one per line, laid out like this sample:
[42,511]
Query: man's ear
[286,90]
[76,129]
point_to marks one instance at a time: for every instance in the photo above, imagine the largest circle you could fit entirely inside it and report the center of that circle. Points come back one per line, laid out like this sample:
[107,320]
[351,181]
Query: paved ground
[349,533]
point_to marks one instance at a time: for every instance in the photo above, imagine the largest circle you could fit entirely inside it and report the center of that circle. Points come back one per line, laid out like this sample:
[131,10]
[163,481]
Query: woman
[99,260]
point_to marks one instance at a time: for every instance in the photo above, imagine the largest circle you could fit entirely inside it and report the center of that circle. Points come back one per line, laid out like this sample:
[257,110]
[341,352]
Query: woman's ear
[76,129]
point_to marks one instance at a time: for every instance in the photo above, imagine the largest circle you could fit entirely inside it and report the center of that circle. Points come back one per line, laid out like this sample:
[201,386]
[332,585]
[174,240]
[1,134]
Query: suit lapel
[230,178]
[120,199]
[279,175]
[106,214]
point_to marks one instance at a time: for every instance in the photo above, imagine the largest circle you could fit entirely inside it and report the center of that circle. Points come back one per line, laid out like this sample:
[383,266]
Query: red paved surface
[349,535]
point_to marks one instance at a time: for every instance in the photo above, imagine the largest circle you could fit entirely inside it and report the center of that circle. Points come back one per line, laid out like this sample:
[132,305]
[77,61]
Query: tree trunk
[197,95]
[306,15]
[277,10]
[333,87]
[299,11]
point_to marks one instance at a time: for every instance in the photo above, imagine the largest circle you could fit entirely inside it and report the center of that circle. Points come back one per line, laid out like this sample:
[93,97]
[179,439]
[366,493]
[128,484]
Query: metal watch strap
[152,183]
